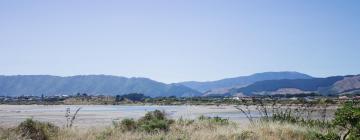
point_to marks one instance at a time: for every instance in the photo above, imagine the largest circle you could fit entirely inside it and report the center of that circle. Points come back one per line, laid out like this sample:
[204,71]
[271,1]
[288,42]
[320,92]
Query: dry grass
[186,130]
[277,131]
[199,130]
[9,134]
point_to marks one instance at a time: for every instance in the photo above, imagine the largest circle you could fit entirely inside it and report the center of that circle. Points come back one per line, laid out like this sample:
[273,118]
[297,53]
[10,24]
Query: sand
[104,115]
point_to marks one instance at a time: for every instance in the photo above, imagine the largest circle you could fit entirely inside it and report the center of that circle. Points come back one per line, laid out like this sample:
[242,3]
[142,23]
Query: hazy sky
[179,40]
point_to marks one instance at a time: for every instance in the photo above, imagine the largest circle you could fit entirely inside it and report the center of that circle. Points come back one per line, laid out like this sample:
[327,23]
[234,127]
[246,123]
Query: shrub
[246,135]
[185,122]
[128,125]
[36,130]
[348,118]
[327,136]
[8,134]
[132,96]
[285,117]
[154,121]
[214,120]
[154,125]
[293,117]
[202,117]
[219,120]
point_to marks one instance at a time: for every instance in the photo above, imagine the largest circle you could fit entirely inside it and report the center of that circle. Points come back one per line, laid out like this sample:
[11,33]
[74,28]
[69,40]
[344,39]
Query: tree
[118,98]
[135,97]
[42,97]
[348,118]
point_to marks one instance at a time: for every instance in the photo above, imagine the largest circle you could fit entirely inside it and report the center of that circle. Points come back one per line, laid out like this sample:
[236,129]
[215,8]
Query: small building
[343,97]
[357,97]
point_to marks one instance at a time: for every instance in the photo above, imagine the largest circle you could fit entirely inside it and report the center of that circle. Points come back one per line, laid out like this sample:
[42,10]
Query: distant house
[241,98]
[308,99]
[357,97]
[343,97]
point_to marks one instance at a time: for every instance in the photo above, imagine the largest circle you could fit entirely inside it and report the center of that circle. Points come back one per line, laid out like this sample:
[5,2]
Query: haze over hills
[326,86]
[90,84]
[267,83]
[243,80]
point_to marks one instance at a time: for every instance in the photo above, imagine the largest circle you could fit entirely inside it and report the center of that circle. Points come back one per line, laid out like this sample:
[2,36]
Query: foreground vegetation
[202,129]
[282,124]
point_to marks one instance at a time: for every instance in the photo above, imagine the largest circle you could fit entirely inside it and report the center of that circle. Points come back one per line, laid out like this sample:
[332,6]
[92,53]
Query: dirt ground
[102,115]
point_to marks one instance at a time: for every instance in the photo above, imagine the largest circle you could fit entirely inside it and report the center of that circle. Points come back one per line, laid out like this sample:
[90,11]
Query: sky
[179,40]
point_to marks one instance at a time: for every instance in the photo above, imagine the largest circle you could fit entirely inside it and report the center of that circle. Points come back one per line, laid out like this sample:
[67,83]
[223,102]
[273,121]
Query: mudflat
[104,115]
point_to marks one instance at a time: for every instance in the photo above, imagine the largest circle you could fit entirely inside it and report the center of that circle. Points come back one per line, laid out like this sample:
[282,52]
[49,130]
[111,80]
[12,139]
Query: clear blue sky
[179,40]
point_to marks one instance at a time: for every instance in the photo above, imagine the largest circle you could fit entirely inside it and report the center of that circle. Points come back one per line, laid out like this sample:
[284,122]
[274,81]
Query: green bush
[128,125]
[154,121]
[155,125]
[348,119]
[153,115]
[326,136]
[36,130]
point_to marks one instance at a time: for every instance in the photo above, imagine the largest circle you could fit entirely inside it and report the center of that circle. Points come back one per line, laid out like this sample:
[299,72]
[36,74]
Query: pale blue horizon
[179,40]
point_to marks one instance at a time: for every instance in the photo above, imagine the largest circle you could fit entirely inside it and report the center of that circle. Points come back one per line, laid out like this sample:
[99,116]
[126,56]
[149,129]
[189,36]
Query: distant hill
[90,84]
[268,83]
[330,85]
[348,85]
[225,84]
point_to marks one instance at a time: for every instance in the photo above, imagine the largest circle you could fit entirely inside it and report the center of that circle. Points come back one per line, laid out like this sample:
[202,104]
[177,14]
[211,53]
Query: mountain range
[288,84]
[267,83]
[90,84]
[222,86]
[334,85]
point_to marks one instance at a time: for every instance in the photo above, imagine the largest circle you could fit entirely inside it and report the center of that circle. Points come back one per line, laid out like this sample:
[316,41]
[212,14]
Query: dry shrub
[154,121]
[9,134]
[275,131]
[36,130]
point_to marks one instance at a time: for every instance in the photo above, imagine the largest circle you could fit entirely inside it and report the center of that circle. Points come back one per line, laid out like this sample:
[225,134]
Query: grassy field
[284,124]
[196,130]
